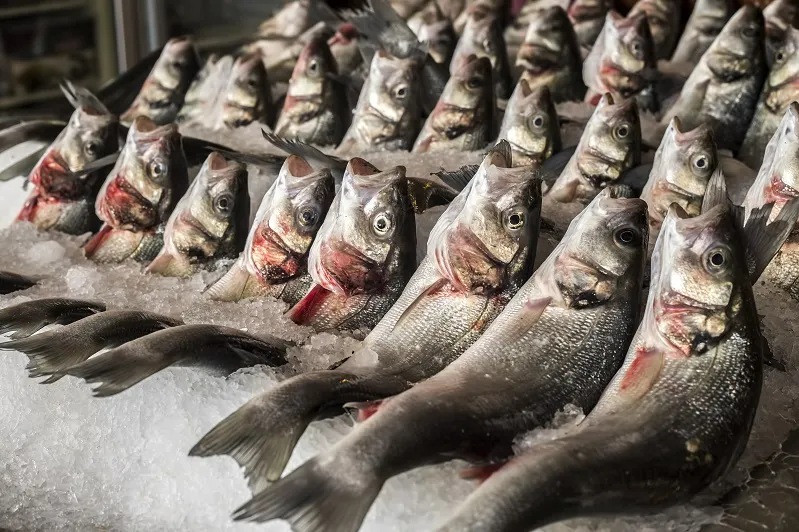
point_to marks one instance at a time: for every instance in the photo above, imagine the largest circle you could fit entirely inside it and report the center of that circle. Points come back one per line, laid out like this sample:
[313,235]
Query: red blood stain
[643,357]
[308,308]
[91,247]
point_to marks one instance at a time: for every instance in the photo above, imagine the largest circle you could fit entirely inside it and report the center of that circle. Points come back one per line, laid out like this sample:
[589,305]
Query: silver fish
[588,17]
[24,319]
[706,22]
[432,27]
[247,97]
[202,91]
[11,282]
[780,16]
[665,19]
[531,125]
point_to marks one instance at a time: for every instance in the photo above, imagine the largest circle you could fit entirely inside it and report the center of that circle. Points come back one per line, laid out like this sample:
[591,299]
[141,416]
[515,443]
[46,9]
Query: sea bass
[610,145]
[344,48]
[781,88]
[275,258]
[479,253]
[11,282]
[723,88]
[559,340]
[665,19]
[316,110]
[24,319]
[588,17]
[464,118]
[139,194]
[364,253]
[202,91]
[209,222]
[706,22]
[482,37]
[247,97]
[531,125]
[432,27]
[780,16]
[550,55]
[162,94]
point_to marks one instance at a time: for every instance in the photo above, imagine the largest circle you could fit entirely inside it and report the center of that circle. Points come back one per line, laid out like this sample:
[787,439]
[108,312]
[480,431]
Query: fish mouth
[348,269]
[537,157]
[270,246]
[51,178]
[584,264]
[668,186]
[780,191]
[673,304]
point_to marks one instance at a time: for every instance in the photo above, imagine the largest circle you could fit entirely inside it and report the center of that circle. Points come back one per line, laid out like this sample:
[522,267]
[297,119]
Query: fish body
[162,94]
[26,318]
[531,125]
[664,18]
[482,37]
[550,55]
[724,87]
[704,25]
[464,117]
[472,269]
[588,17]
[558,341]
[275,258]
[13,282]
[610,144]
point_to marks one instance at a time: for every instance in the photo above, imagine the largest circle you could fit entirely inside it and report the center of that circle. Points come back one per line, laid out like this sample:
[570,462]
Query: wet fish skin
[610,145]
[531,125]
[201,91]
[724,87]
[13,282]
[162,94]
[704,25]
[388,114]
[431,26]
[28,317]
[664,18]
[780,16]
[275,258]
[588,17]
[482,37]
[290,21]
[247,97]
[779,91]
[463,119]
[550,55]
[364,253]
[496,389]
[316,110]
[209,222]
[344,48]
[445,307]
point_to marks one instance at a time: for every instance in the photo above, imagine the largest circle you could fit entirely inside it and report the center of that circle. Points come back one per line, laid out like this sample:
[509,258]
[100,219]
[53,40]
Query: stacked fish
[473,345]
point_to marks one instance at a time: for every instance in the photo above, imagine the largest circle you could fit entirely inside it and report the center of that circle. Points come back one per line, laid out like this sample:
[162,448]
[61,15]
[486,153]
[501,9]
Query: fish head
[483,241]
[739,45]
[710,16]
[549,41]
[432,27]
[471,85]
[288,220]
[698,271]
[662,16]
[247,94]
[683,165]
[392,86]
[482,36]
[628,43]
[605,244]
[368,233]
[533,127]
[587,17]
[344,47]
[782,85]
[290,21]
[779,16]
[313,67]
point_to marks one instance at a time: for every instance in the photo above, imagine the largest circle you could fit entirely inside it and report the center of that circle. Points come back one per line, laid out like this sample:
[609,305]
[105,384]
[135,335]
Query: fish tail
[50,353]
[315,498]
[116,371]
[21,325]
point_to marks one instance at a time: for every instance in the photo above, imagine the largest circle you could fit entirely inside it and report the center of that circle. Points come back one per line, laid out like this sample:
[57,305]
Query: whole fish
[779,91]
[162,94]
[610,145]
[432,27]
[139,194]
[724,87]
[202,91]
[706,22]
[588,18]
[52,352]
[344,48]
[531,125]
[665,20]
[364,253]
[684,163]
[677,415]
[464,118]
[209,345]
[247,98]
[275,258]
[471,271]
[558,341]
[11,282]
[24,319]
[64,183]
[622,62]
[316,110]
[280,54]
[780,16]
[209,222]
[550,55]
[482,37]
[388,114]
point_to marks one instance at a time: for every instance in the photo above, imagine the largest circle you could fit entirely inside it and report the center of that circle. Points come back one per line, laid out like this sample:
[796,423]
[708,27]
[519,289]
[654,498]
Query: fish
[559,340]
[198,344]
[588,18]
[388,114]
[683,165]
[280,54]
[779,91]
[65,182]
[464,118]
[275,258]
[622,62]
[704,25]
[665,20]
[610,144]
[363,254]
[780,16]
[470,272]
[531,125]
[678,414]
[209,223]
[202,91]
[25,319]
[162,94]
[11,282]
[139,194]
[247,98]
[344,48]
[290,21]
[52,352]
[482,37]
[432,27]
[550,55]
[316,110]
[724,87]
[408,8]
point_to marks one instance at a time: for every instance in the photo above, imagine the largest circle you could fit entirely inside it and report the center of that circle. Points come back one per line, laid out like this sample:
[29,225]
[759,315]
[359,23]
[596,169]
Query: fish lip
[680,304]
[535,155]
[195,224]
[592,152]
[671,187]
[270,234]
[583,264]
[780,189]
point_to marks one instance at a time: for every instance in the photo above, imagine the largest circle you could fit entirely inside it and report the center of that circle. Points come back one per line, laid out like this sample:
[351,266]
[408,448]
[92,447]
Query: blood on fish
[309,306]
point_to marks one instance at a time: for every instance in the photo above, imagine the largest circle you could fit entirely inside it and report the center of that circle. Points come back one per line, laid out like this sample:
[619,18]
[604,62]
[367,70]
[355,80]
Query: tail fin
[22,327]
[50,353]
[315,498]
[115,370]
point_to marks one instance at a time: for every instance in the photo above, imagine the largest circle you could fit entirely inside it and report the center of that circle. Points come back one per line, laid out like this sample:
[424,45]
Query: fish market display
[531,125]
[664,18]
[431,26]
[780,16]
[707,20]
[26,318]
[482,37]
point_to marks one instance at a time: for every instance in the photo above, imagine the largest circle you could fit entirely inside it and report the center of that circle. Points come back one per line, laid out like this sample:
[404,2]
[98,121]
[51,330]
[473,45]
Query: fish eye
[627,237]
[716,260]
[313,66]
[382,224]
[637,48]
[92,149]
[488,46]
[780,57]
[308,216]
[515,220]
[401,92]
[475,82]
[538,121]
[622,131]
[224,203]
[252,83]
[157,168]
[749,31]
[702,163]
